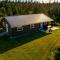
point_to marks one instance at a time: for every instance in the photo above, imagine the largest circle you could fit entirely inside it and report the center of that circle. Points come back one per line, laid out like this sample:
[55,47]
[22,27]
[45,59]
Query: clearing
[36,46]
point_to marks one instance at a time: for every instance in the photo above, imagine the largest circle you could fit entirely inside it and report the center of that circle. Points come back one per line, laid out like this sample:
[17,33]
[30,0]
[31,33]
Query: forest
[20,8]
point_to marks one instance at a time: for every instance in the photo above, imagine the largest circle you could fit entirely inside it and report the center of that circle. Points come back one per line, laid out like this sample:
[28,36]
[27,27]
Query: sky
[45,1]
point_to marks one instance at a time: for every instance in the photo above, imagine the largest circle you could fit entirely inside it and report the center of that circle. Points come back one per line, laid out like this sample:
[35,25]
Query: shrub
[1,30]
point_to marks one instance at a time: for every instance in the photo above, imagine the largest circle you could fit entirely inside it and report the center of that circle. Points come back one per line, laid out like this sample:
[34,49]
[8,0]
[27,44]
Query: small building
[25,23]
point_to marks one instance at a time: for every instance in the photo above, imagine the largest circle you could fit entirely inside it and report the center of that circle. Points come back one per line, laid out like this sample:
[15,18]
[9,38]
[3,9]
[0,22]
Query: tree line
[19,8]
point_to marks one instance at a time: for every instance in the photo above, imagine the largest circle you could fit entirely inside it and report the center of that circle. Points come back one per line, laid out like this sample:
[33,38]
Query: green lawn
[36,46]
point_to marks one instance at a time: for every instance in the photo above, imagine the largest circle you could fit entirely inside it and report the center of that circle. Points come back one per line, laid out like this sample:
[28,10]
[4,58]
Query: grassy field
[36,46]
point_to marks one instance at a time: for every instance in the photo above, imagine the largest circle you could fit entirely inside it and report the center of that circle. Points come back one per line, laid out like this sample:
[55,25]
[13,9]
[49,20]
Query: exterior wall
[25,29]
[4,26]
[37,26]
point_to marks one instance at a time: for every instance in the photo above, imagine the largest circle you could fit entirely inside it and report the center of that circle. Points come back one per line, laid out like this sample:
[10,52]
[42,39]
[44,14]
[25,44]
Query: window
[19,28]
[32,26]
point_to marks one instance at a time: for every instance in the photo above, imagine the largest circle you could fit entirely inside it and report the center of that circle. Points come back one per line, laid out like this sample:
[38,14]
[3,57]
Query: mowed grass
[36,46]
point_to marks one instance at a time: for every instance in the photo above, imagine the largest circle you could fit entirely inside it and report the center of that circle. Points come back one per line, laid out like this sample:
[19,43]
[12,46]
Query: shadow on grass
[6,43]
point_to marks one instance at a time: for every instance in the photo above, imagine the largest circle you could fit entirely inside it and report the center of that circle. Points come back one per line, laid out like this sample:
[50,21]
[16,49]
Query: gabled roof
[21,20]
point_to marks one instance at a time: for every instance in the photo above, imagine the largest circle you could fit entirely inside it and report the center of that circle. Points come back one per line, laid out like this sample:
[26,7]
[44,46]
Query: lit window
[19,28]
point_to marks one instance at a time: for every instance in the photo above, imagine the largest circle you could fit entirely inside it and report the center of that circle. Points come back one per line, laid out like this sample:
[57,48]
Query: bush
[57,53]
[1,30]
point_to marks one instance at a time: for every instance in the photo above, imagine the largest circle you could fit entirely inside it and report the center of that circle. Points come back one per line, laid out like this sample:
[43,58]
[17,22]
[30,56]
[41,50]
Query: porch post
[6,27]
[41,25]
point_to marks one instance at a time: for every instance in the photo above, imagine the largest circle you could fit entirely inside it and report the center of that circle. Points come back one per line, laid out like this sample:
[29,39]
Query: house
[25,23]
